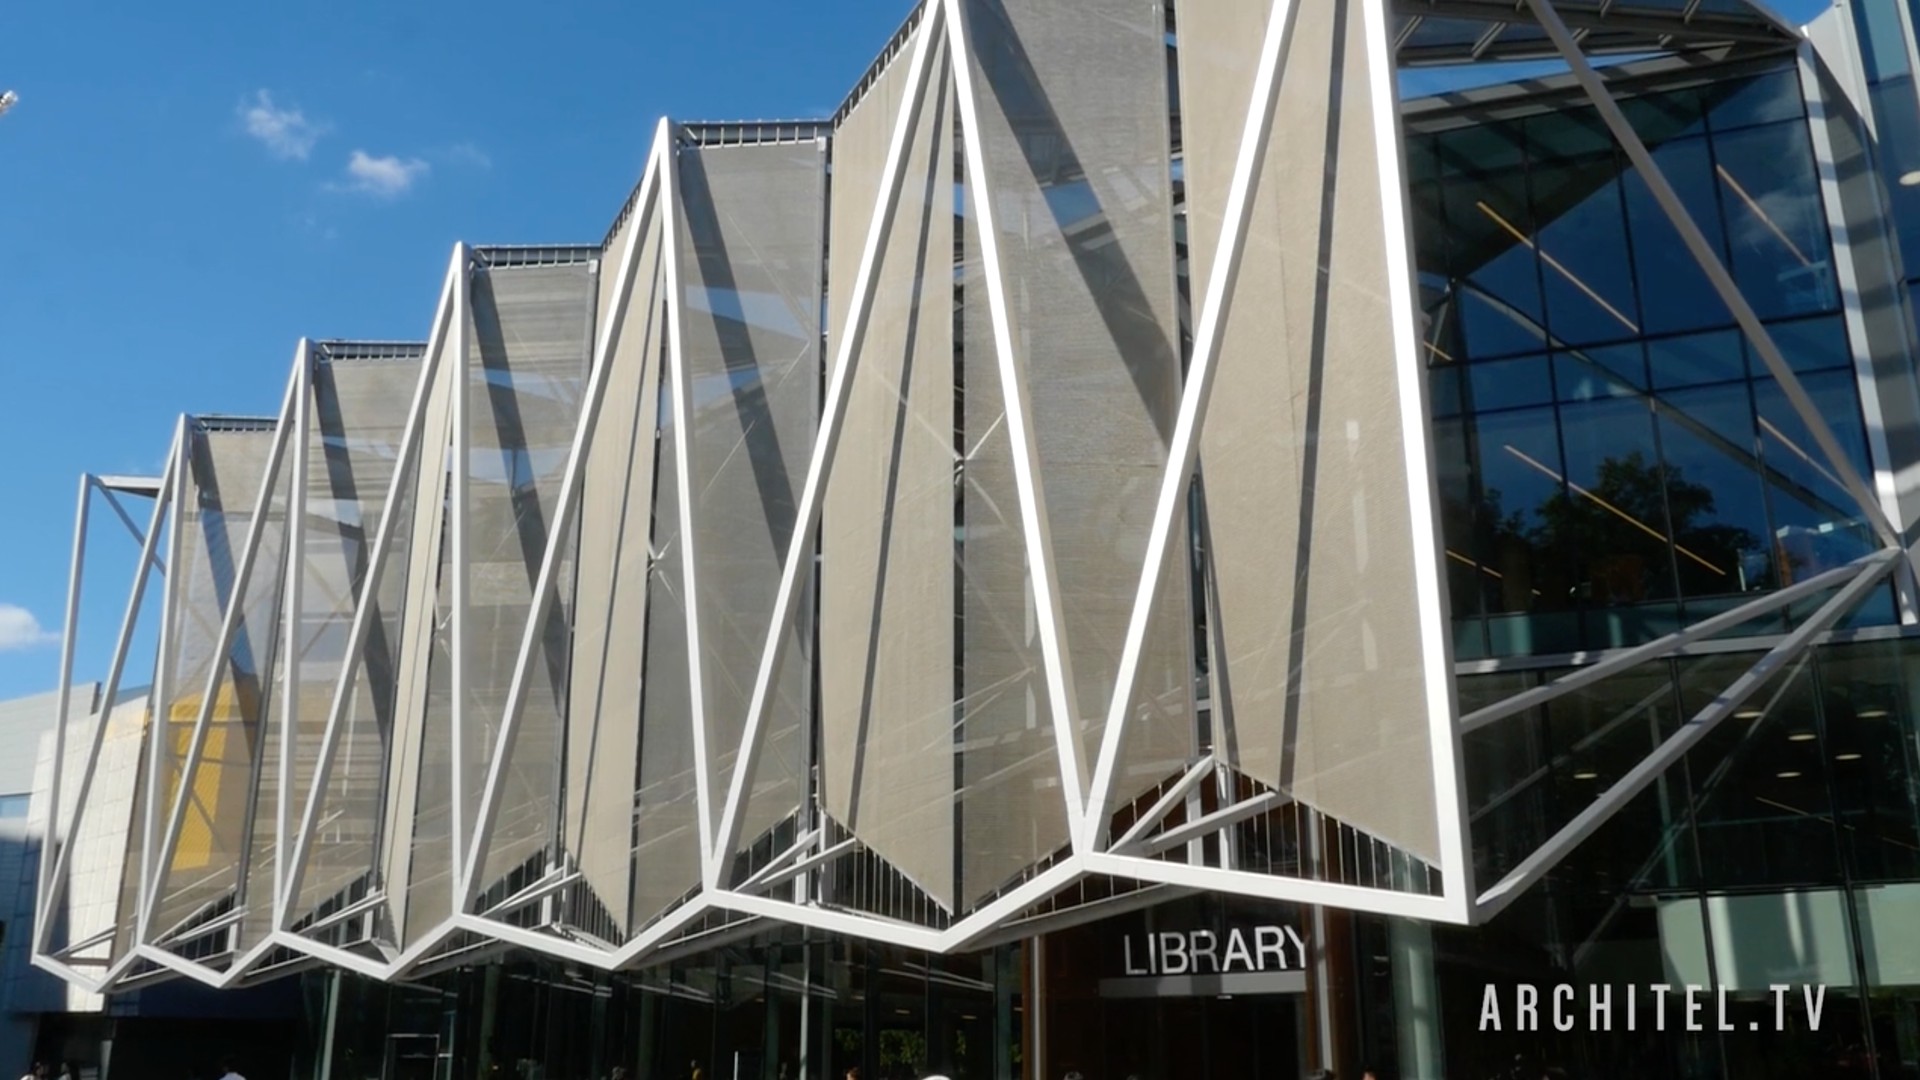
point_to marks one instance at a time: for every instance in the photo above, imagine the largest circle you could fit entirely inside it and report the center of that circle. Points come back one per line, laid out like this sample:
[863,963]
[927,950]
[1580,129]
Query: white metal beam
[459,567]
[680,390]
[1611,801]
[1664,646]
[1050,617]
[160,703]
[64,701]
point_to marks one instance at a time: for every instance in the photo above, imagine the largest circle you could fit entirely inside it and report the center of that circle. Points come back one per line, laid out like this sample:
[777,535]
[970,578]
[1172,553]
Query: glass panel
[1715,493]
[1759,100]
[1601,372]
[1674,292]
[1776,226]
[1518,465]
[1867,745]
[1588,275]
[1816,523]
[1612,517]
[1696,359]
[1509,383]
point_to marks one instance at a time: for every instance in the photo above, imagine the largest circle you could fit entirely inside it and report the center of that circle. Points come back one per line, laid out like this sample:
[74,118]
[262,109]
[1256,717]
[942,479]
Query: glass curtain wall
[1784,849]
[1615,460]
[781,1006]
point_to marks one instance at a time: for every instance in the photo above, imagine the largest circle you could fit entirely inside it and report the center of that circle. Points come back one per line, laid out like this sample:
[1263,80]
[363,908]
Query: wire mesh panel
[527,366]
[1075,131]
[201,872]
[887,540]
[416,838]
[614,568]
[750,247]
[1327,676]
[667,830]
[357,420]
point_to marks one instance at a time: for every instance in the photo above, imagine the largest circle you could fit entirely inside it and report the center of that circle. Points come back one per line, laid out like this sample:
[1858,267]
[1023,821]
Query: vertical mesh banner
[527,372]
[750,263]
[887,569]
[358,417]
[1318,644]
[610,615]
[1073,113]
[202,876]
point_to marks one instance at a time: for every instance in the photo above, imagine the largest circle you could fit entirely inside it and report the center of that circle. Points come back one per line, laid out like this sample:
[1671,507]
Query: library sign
[1270,958]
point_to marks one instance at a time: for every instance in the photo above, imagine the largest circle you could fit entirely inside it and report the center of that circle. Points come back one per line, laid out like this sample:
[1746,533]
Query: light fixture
[1790,774]
[1800,736]
[1586,774]
[1872,714]
[909,1012]
[1846,757]
[1910,178]
[1749,714]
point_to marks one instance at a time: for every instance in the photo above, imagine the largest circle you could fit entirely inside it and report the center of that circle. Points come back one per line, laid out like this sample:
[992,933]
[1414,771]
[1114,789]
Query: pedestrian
[230,1069]
[38,1072]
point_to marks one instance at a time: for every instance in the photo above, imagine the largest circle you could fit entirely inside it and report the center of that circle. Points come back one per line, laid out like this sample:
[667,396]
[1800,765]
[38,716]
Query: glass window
[1612,516]
[1674,292]
[1736,104]
[1864,702]
[1517,455]
[1816,523]
[1696,359]
[1601,372]
[14,806]
[1776,226]
[1658,118]
[1715,496]
[1809,344]
[1898,112]
[1491,257]
[1508,384]
[1588,276]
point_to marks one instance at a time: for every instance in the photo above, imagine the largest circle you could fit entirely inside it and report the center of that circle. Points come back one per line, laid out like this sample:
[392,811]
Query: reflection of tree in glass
[1610,533]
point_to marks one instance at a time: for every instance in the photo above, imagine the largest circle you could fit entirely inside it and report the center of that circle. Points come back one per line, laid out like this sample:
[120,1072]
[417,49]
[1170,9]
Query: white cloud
[286,133]
[469,155]
[20,630]
[383,177]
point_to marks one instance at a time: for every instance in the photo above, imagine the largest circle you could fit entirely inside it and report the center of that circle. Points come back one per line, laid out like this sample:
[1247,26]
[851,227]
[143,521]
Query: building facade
[1159,539]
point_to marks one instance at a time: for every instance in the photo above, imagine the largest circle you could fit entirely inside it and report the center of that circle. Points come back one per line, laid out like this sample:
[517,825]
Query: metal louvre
[211,745]
[526,370]
[614,575]
[749,247]
[1076,138]
[887,525]
[358,418]
[1324,688]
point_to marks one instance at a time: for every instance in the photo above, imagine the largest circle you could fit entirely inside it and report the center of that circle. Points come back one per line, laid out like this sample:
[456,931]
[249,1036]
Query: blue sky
[181,200]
